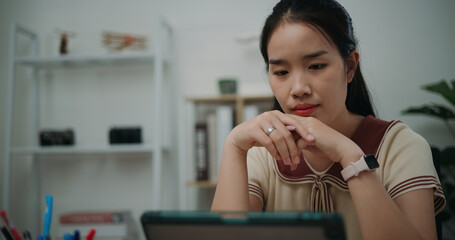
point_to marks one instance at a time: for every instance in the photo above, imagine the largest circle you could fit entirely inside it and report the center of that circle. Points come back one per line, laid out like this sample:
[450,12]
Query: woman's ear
[351,64]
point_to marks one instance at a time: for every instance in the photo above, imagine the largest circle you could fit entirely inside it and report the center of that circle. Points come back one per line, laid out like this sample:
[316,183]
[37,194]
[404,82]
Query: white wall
[403,45]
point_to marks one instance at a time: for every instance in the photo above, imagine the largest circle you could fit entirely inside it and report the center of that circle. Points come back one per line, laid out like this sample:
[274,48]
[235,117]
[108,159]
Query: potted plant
[447,155]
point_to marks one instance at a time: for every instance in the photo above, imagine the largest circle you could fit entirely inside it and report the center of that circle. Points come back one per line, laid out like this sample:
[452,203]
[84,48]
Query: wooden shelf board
[201,184]
[231,98]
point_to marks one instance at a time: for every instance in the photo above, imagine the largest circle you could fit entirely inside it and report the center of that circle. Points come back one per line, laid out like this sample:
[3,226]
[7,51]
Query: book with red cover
[95,217]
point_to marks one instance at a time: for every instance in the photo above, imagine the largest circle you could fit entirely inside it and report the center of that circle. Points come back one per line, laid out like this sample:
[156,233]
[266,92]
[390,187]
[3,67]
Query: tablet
[193,225]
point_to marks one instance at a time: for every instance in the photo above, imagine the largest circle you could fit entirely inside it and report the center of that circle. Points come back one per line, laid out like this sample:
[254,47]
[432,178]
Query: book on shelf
[95,217]
[210,135]
[201,151]
[212,151]
[109,225]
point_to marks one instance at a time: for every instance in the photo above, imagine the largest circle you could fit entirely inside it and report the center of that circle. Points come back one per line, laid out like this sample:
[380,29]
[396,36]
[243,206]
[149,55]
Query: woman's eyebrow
[308,56]
[276,61]
[315,54]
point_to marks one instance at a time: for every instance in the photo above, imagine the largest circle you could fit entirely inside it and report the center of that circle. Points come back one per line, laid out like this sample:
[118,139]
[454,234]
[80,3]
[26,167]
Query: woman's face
[307,74]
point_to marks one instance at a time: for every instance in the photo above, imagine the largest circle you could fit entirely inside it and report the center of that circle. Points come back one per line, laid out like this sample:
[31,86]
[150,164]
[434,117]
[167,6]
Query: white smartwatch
[366,163]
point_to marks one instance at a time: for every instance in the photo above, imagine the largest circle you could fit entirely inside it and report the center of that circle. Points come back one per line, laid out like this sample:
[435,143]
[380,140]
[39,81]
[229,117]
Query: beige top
[405,164]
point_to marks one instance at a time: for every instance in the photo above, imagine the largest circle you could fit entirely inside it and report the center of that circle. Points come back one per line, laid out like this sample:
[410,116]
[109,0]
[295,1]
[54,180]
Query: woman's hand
[326,141]
[279,142]
[291,135]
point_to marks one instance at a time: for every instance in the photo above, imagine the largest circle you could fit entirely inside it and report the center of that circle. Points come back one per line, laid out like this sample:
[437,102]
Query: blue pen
[47,216]
[27,235]
[68,236]
[77,235]
[40,237]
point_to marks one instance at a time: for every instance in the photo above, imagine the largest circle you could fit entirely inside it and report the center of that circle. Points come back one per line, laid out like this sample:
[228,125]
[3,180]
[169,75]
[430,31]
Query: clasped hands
[285,136]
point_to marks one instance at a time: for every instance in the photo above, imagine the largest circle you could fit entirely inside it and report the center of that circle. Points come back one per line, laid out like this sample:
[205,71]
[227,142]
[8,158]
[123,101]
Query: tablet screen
[202,232]
[177,225]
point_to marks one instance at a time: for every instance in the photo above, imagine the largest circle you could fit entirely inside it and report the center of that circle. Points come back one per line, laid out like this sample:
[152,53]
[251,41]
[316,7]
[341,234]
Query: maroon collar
[368,137]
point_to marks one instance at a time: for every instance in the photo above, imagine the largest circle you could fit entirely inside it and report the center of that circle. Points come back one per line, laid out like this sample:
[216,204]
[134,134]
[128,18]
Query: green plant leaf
[442,88]
[434,110]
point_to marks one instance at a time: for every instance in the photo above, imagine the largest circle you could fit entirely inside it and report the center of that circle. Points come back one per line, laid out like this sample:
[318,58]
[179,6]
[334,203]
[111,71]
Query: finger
[290,143]
[295,152]
[296,137]
[268,121]
[285,140]
[302,144]
[295,124]
[281,145]
[266,142]
[281,136]
[293,167]
[291,128]
[305,134]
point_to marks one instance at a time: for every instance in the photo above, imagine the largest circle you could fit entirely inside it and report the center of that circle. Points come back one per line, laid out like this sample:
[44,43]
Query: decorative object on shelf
[57,137]
[120,41]
[125,135]
[64,35]
[227,85]
[447,155]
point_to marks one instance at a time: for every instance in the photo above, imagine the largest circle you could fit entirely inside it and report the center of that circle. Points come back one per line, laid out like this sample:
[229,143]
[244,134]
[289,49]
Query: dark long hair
[334,22]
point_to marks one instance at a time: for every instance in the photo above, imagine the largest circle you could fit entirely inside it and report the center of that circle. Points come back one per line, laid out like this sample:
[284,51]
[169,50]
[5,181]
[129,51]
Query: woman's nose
[300,86]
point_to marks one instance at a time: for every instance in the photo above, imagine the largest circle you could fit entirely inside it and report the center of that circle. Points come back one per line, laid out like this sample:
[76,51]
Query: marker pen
[47,217]
[9,224]
[90,234]
[5,230]
[6,233]
[77,235]
[68,236]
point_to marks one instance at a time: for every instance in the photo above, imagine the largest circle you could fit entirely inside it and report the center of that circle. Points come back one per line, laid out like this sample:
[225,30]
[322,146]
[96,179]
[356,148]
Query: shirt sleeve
[407,165]
[258,172]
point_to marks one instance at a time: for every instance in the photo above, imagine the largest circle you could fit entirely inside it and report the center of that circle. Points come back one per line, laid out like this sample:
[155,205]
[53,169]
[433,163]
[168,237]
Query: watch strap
[354,169]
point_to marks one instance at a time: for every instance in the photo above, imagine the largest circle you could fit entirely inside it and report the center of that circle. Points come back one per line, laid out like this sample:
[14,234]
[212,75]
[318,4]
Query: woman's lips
[305,110]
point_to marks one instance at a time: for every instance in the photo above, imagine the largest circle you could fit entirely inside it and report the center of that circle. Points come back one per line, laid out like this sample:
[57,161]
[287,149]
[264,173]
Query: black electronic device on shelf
[57,137]
[125,135]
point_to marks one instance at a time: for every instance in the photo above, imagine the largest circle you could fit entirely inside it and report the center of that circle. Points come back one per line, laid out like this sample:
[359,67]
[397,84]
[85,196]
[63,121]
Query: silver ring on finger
[270,130]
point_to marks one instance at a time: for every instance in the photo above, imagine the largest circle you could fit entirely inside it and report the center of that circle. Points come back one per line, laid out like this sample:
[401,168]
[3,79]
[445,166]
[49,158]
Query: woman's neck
[348,123]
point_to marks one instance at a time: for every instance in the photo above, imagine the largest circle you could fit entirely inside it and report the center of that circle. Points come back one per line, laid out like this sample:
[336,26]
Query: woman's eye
[280,73]
[317,66]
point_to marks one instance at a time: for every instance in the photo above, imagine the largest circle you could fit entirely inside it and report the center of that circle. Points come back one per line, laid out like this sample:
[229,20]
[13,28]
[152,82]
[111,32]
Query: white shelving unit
[155,58]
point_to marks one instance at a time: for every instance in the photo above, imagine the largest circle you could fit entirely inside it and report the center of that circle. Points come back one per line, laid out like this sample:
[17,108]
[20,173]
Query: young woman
[325,151]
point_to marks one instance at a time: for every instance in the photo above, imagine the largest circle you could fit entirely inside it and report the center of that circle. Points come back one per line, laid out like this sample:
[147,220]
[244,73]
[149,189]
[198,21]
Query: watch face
[371,161]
